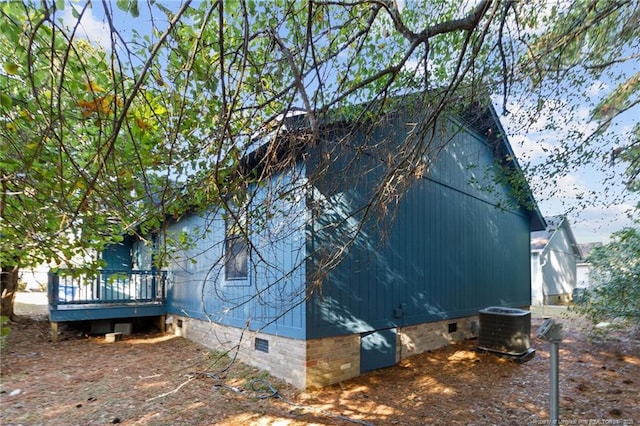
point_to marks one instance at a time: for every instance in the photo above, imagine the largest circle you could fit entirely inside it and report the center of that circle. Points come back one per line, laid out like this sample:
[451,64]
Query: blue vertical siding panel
[119,256]
[270,297]
[453,248]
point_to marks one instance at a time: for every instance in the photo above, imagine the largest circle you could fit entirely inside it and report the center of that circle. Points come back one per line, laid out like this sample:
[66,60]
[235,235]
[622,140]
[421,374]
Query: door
[377,349]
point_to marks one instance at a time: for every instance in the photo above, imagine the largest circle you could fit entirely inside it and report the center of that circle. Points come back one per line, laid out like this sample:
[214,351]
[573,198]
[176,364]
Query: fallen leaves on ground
[158,379]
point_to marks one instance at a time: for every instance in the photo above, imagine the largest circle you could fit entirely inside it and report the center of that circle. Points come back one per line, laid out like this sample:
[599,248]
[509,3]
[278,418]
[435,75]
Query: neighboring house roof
[540,239]
[586,248]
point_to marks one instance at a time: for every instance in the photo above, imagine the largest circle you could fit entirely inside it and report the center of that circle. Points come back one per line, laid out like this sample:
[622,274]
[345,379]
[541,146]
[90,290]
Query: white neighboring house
[36,278]
[583,267]
[554,258]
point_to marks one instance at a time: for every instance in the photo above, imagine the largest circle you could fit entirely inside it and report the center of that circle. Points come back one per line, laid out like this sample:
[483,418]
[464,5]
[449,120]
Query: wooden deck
[109,294]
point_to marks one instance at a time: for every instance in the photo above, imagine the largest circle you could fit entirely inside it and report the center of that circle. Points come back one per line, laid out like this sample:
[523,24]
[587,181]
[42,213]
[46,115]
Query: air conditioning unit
[505,331]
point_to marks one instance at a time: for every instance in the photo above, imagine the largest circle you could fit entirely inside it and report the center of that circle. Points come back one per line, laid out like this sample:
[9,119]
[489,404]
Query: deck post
[54,332]
[53,288]
[154,284]
[162,323]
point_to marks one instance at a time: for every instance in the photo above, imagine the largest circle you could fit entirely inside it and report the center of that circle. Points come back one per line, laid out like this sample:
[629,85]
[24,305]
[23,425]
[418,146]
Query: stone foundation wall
[318,362]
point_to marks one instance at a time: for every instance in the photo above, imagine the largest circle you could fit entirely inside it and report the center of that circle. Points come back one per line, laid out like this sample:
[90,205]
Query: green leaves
[96,142]
[10,68]
[130,6]
[5,101]
[625,95]
[616,276]
[67,160]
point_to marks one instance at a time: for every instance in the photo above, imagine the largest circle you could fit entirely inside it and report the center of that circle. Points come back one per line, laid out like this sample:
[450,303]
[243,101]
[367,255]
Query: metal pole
[554,379]
[551,332]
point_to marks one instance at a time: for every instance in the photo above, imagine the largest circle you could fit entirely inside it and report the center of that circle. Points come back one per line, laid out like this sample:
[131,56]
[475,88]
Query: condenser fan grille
[505,330]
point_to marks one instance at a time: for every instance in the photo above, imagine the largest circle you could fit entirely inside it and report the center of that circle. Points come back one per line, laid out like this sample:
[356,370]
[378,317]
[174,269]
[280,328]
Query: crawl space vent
[262,345]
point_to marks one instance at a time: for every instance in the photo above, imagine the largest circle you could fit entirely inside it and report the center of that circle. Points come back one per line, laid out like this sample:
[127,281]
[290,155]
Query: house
[583,268]
[128,287]
[554,256]
[305,277]
[411,282]
[35,278]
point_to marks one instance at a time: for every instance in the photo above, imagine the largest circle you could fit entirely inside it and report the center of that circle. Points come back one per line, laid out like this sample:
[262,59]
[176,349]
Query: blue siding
[118,256]
[457,243]
[452,248]
[271,298]
[84,313]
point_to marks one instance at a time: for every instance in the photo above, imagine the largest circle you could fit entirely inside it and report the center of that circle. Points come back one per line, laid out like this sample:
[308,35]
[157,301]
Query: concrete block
[112,337]
[123,327]
[100,326]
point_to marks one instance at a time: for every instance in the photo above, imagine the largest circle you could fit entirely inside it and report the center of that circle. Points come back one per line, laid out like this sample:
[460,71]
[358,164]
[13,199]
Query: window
[236,250]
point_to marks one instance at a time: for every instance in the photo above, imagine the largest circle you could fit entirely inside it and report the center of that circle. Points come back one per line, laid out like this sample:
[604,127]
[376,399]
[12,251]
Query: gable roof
[586,248]
[295,136]
[485,119]
[540,239]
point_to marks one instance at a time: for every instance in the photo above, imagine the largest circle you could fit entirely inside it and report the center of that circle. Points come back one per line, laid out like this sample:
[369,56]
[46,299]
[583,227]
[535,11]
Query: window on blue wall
[236,249]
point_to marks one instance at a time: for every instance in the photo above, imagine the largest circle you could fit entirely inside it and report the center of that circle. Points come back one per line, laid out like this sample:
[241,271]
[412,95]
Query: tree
[581,86]
[158,120]
[78,144]
[616,276]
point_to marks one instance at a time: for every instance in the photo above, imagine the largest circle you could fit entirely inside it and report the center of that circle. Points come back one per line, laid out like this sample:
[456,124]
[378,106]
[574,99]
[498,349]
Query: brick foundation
[332,360]
[416,339]
[318,362]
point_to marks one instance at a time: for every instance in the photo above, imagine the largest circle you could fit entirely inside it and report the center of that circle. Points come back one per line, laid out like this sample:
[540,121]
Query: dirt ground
[156,379]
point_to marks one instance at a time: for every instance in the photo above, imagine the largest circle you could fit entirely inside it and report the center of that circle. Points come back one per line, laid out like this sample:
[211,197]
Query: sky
[594,222]
[592,195]
[604,212]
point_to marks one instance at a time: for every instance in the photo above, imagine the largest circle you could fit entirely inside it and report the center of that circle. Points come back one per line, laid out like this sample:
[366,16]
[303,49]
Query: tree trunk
[9,286]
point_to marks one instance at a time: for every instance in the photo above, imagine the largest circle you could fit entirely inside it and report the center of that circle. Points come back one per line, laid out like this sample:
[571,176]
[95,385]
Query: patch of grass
[233,375]
[5,329]
[554,311]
